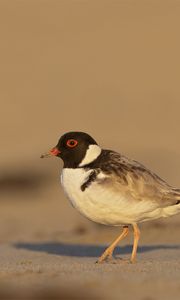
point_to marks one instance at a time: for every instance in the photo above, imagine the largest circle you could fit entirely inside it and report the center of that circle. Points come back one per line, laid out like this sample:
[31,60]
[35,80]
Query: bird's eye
[71,143]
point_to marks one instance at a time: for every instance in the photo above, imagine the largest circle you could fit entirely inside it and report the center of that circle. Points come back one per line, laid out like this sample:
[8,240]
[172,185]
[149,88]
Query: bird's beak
[53,152]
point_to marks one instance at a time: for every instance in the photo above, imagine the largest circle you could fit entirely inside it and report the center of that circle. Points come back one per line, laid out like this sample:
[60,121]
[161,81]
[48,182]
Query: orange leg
[109,251]
[135,245]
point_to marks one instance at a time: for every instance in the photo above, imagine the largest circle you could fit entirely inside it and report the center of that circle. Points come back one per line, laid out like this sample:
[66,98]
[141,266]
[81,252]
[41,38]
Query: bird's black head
[76,149]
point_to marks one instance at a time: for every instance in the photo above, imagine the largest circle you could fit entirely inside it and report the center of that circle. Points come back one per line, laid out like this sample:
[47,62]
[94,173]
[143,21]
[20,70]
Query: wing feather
[135,181]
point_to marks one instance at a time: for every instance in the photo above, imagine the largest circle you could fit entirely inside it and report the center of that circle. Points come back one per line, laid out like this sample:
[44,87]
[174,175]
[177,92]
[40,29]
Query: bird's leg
[135,244]
[109,251]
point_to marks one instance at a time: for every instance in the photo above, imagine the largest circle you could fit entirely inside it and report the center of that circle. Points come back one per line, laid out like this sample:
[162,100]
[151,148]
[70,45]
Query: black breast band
[90,179]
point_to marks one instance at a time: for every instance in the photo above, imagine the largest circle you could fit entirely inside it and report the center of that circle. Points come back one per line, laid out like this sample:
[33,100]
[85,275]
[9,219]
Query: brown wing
[137,182]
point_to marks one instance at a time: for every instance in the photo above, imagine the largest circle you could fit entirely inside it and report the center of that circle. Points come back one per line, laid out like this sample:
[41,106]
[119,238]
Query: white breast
[89,202]
[101,204]
[72,180]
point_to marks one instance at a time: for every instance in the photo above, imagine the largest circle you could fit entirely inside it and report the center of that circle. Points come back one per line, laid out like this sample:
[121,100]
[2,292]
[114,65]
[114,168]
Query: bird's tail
[175,207]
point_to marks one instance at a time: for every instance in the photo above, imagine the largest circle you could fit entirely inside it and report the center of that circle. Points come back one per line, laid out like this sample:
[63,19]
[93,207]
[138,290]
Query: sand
[112,69]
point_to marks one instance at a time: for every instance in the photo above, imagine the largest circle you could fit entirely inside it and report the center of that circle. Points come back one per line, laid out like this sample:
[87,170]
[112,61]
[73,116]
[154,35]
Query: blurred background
[109,68]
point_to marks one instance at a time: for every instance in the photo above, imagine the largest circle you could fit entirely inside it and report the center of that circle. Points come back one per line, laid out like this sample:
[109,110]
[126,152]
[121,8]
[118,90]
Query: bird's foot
[132,260]
[114,260]
[105,257]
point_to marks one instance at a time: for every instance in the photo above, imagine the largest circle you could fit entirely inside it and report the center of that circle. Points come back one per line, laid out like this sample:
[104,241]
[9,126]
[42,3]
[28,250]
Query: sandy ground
[112,69]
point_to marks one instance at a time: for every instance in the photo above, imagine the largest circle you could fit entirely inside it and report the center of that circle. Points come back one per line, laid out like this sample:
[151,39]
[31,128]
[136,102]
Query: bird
[112,189]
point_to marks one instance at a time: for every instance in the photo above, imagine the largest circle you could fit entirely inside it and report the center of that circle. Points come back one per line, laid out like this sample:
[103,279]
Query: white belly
[101,204]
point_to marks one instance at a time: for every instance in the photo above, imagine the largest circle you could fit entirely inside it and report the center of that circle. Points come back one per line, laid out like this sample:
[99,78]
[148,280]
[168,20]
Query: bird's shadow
[79,250]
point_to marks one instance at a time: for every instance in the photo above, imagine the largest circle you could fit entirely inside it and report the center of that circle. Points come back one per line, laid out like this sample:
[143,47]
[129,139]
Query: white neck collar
[91,154]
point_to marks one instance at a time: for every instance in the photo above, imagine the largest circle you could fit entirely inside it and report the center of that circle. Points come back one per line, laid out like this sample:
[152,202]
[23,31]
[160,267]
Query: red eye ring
[71,143]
